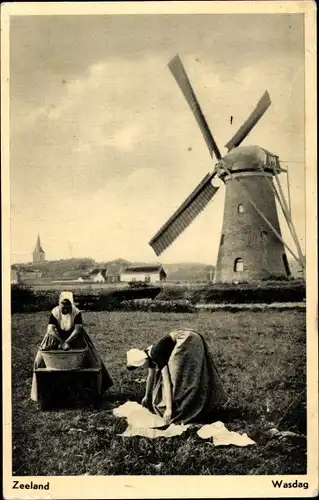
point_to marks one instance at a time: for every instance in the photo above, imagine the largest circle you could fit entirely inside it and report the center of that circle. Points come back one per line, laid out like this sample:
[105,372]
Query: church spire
[38,244]
[38,252]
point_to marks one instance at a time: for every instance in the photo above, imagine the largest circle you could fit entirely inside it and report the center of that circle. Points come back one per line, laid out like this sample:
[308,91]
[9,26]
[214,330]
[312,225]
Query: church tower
[38,253]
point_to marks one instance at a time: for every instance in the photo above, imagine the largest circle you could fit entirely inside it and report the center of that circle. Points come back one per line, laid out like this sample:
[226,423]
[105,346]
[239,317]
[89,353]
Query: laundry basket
[64,360]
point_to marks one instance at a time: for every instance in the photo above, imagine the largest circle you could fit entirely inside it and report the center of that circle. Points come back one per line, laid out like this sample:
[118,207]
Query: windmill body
[251,245]
[249,249]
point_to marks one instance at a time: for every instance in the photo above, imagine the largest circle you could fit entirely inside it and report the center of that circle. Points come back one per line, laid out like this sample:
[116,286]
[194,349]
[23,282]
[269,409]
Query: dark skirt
[197,390]
[92,359]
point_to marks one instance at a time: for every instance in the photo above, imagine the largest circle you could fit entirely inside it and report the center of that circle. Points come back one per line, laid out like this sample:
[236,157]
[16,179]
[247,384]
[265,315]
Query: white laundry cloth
[141,422]
[222,436]
[172,430]
[137,415]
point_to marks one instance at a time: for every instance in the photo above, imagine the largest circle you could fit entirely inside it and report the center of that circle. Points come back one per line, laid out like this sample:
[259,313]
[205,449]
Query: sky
[103,146]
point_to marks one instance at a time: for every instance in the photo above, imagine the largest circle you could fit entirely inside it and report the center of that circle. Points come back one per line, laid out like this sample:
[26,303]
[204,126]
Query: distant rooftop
[110,271]
[143,269]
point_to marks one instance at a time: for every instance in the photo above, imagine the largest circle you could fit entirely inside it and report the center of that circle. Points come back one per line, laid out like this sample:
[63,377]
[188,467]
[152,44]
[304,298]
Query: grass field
[261,358]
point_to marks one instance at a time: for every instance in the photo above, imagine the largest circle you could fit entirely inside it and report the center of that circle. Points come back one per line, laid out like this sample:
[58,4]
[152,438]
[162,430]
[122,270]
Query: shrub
[26,299]
[136,293]
[261,292]
[177,306]
[46,299]
[148,305]
[22,298]
[134,305]
[175,293]
[138,284]
[273,277]
[274,290]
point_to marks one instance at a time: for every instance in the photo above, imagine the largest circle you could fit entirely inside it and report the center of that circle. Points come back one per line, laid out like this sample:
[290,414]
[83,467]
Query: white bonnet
[136,357]
[66,296]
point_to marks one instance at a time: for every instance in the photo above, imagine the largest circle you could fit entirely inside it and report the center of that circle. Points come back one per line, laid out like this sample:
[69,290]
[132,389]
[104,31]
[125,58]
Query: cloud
[106,144]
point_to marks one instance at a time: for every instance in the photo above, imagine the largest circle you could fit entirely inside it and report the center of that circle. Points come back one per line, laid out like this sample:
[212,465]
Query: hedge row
[263,292]
[148,305]
[27,299]
[177,293]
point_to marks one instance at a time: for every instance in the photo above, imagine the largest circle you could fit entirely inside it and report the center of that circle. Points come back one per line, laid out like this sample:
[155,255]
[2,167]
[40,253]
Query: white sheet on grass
[141,422]
[222,436]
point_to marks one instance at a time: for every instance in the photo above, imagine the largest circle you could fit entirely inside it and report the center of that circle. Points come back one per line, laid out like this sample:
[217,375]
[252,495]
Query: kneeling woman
[65,331]
[183,384]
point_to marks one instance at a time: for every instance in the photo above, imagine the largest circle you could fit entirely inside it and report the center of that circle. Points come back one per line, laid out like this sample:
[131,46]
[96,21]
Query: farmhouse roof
[143,269]
[112,271]
[94,272]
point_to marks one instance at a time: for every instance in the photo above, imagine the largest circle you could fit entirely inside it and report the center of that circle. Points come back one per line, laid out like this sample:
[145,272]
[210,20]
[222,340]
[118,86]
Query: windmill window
[239,265]
[240,208]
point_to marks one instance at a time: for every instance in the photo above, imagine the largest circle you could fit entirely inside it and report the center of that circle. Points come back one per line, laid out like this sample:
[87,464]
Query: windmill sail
[177,69]
[184,215]
[249,124]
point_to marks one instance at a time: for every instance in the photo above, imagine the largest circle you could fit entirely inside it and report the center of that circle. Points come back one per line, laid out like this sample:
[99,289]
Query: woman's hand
[78,330]
[167,392]
[167,417]
[65,346]
[53,333]
[147,402]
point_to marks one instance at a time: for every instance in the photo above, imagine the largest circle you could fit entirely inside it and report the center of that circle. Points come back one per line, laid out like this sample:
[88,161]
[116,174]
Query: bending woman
[183,384]
[65,331]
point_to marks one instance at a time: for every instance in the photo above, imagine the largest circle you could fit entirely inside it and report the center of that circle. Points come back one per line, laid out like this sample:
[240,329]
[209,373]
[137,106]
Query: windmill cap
[249,158]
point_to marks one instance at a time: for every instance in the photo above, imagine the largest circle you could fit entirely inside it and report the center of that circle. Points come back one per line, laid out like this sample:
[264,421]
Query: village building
[27,275]
[147,274]
[113,275]
[38,253]
[31,274]
[15,276]
[106,275]
[97,275]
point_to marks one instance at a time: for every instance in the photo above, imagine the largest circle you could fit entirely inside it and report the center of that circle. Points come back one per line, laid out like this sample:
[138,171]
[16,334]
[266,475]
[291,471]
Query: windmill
[251,245]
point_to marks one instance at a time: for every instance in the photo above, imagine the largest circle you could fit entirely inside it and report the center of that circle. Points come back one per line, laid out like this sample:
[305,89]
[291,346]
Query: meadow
[261,357]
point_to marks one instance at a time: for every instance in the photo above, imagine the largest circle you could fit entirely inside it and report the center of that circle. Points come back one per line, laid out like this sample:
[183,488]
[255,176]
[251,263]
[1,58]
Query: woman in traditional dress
[65,331]
[183,384]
